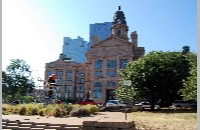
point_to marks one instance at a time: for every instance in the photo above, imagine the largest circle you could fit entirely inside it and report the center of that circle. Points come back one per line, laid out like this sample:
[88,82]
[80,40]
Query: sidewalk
[101,116]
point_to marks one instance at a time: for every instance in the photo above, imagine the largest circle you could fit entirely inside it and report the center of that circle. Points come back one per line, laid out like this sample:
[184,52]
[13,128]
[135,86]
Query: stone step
[9,127]
[18,125]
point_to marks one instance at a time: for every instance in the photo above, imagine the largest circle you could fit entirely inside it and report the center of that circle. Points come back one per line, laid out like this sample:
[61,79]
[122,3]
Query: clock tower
[119,27]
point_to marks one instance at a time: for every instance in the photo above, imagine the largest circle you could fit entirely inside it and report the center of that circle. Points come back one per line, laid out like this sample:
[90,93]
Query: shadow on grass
[163,110]
[172,110]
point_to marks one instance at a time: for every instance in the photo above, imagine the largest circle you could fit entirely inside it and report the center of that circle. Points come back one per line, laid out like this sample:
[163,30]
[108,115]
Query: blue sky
[33,30]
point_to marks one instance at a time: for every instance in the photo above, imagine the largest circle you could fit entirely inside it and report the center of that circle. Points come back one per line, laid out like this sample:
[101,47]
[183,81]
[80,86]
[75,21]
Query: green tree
[186,49]
[158,75]
[7,86]
[127,94]
[189,91]
[17,80]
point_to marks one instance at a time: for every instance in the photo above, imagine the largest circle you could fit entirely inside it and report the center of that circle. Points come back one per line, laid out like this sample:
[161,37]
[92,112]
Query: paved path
[101,116]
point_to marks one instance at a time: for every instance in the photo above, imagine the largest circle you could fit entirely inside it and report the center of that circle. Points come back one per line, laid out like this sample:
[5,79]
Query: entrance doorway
[110,94]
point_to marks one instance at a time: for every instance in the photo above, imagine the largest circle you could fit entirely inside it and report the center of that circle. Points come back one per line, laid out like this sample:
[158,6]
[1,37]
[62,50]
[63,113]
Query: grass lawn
[165,120]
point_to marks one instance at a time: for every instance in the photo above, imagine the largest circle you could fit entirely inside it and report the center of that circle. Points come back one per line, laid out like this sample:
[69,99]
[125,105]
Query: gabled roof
[111,37]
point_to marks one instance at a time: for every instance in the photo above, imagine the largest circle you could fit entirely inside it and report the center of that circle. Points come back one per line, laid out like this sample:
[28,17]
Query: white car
[115,103]
[144,105]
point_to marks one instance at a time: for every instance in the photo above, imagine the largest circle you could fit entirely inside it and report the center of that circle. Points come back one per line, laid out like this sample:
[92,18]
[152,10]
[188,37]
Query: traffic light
[52,79]
[50,82]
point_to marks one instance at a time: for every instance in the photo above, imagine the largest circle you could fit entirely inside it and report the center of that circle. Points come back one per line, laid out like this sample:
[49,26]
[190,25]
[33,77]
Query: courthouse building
[98,77]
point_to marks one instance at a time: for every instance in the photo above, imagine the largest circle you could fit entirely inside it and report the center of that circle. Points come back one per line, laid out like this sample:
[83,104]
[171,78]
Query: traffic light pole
[50,83]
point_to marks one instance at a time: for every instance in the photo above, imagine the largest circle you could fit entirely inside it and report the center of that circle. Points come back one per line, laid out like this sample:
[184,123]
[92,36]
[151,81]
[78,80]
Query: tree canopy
[158,76]
[16,80]
[189,90]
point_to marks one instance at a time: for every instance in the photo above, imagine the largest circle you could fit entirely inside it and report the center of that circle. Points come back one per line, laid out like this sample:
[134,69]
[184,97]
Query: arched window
[69,72]
[97,93]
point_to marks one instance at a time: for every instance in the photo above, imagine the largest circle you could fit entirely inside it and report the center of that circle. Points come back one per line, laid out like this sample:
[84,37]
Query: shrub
[23,110]
[5,113]
[79,112]
[87,108]
[59,112]
[94,109]
[84,112]
[35,111]
[42,112]
[11,110]
[16,110]
[68,108]
[39,105]
[76,106]
[74,112]
[29,108]
[49,110]
[6,108]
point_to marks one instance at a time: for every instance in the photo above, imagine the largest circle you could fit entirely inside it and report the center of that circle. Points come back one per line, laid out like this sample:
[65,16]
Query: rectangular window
[111,73]
[108,73]
[70,88]
[98,64]
[76,88]
[66,95]
[77,95]
[82,80]
[77,80]
[123,63]
[111,63]
[81,95]
[70,95]
[68,81]
[81,88]
[77,73]
[59,73]
[82,74]
[49,73]
[98,73]
[59,94]
[58,80]
[58,88]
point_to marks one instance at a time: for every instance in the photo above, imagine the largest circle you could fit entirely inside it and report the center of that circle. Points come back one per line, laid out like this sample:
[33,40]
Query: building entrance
[110,94]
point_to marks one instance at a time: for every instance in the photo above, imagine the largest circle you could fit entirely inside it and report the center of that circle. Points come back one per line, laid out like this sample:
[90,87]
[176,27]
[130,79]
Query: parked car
[15,102]
[184,104]
[85,102]
[115,103]
[143,105]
